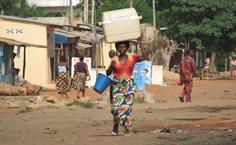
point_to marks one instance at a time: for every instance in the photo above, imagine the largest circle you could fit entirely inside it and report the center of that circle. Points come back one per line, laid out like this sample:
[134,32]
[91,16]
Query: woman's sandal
[181,99]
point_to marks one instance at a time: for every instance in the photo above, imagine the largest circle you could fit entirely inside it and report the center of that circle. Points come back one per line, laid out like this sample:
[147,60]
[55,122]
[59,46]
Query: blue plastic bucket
[102,83]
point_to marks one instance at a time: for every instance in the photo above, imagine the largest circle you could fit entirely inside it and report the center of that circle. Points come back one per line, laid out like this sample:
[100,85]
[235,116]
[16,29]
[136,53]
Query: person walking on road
[62,78]
[187,71]
[123,86]
[233,67]
[81,74]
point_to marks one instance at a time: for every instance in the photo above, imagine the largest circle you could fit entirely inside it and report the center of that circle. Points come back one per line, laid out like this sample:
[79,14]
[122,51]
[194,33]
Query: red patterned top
[125,67]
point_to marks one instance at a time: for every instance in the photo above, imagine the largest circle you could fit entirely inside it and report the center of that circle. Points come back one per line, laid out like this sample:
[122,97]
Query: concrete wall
[37,60]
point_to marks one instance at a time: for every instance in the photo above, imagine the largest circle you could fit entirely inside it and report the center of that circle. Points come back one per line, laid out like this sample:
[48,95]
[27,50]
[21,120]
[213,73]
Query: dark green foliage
[141,6]
[20,8]
[208,24]
[202,23]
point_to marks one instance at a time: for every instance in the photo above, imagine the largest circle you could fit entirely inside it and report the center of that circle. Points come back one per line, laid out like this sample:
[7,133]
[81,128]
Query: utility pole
[92,15]
[154,18]
[94,33]
[71,14]
[130,3]
[1,10]
[154,14]
[86,3]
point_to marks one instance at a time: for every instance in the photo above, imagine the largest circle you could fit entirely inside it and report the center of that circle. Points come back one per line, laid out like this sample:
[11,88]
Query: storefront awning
[62,35]
[12,42]
[60,38]
[19,43]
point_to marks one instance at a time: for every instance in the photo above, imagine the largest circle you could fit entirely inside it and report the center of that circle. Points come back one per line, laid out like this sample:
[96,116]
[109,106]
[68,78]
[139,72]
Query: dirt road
[209,119]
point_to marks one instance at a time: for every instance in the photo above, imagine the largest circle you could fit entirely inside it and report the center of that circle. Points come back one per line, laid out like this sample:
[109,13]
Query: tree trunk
[31,89]
[168,57]
[86,5]
[9,90]
[24,89]
[212,62]
[226,64]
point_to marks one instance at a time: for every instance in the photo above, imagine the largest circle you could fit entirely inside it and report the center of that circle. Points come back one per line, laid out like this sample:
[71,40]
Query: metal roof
[89,37]
[29,20]
[89,27]
[52,20]
[82,46]
[11,42]
[65,33]
[19,43]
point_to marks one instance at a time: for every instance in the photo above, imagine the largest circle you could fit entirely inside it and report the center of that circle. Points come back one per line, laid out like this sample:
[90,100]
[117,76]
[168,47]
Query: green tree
[209,24]
[200,23]
[141,6]
[20,8]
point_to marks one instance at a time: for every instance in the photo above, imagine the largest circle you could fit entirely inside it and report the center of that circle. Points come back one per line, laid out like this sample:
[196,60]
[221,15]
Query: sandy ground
[209,119]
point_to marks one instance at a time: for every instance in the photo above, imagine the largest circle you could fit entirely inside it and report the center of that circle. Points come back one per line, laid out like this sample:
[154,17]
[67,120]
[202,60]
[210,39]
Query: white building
[57,6]
[53,3]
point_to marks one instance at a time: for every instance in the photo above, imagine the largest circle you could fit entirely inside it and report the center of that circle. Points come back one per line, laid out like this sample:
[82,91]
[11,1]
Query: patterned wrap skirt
[233,67]
[123,98]
[79,81]
[62,83]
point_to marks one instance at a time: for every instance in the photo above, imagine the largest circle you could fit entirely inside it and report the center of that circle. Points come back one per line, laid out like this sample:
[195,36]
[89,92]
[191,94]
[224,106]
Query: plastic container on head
[121,25]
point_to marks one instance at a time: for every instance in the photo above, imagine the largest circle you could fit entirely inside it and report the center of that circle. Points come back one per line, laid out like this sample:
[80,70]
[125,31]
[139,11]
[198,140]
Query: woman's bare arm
[110,68]
[144,54]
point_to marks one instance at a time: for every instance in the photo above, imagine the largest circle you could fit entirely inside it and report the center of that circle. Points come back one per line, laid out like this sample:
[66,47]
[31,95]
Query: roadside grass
[85,104]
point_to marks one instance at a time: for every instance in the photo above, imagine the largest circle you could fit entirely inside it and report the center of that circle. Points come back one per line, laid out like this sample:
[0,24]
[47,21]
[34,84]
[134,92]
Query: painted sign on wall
[14,31]
[142,74]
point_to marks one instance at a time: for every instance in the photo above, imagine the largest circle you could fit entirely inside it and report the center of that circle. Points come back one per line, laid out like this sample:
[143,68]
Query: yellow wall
[37,61]
[32,32]
[106,47]
[37,65]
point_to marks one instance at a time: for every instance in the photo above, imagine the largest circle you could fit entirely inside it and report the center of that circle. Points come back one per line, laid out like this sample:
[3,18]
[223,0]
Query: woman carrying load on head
[62,79]
[123,85]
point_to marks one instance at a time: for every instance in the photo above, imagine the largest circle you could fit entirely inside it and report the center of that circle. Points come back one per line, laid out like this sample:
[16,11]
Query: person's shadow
[106,135]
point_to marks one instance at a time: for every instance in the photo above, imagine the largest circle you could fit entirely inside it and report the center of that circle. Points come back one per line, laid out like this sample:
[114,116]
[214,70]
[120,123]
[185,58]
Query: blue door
[6,61]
